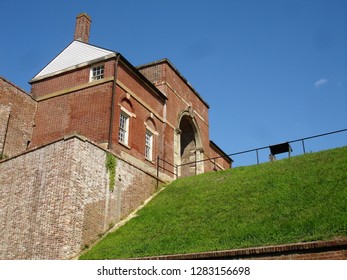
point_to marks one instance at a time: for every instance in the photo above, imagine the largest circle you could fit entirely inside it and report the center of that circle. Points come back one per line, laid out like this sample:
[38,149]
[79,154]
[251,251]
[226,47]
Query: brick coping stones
[333,250]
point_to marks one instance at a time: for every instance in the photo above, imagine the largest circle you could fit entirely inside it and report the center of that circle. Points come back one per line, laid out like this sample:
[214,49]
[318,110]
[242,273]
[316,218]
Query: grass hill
[303,198]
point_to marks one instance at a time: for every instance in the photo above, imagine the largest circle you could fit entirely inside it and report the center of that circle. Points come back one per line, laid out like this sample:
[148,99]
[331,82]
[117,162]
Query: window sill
[91,80]
[124,145]
[149,160]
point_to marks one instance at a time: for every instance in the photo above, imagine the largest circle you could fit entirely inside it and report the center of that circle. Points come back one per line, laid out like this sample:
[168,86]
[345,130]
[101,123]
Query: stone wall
[56,200]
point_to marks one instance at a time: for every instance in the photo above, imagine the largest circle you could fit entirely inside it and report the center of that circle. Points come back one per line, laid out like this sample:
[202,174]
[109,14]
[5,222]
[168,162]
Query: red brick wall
[141,105]
[137,86]
[17,117]
[180,86]
[221,162]
[67,80]
[85,111]
[180,96]
[155,73]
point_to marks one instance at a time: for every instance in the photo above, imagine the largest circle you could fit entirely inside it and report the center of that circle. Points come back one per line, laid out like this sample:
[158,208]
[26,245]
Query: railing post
[158,158]
[257,156]
[158,171]
[303,146]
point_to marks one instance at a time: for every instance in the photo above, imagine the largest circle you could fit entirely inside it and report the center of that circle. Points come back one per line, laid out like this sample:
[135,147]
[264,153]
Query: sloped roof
[73,55]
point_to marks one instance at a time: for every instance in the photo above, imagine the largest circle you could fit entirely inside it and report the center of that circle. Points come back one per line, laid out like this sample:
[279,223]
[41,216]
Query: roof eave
[74,67]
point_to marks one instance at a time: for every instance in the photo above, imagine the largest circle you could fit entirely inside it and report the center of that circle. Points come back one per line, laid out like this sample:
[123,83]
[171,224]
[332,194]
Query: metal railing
[213,160]
[302,140]
[163,168]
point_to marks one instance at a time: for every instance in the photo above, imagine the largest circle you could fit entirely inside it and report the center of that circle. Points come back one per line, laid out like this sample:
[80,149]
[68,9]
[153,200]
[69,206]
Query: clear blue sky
[271,70]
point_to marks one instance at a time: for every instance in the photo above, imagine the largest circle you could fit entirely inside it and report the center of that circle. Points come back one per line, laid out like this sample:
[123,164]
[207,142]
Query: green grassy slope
[303,198]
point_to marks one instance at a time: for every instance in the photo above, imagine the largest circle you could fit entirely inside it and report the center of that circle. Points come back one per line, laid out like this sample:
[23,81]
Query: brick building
[139,113]
[88,107]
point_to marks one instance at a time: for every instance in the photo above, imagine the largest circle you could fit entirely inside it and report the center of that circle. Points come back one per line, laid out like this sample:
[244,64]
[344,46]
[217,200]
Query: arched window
[149,145]
[123,134]
[149,138]
[126,113]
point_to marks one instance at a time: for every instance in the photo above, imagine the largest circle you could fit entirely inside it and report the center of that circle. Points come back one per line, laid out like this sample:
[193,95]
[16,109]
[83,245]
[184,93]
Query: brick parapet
[316,250]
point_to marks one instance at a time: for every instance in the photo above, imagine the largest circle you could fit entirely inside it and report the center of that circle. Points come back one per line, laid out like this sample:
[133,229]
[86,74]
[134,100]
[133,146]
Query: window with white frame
[97,72]
[149,145]
[123,134]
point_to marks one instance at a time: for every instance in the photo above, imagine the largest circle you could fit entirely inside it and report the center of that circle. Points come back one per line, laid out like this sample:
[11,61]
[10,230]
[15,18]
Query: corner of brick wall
[56,200]
[16,129]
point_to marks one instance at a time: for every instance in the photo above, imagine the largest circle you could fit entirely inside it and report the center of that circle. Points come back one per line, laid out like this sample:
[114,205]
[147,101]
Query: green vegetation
[111,163]
[298,199]
[3,156]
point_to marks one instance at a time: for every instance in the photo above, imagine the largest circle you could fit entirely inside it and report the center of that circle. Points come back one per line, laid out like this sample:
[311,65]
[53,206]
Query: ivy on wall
[111,163]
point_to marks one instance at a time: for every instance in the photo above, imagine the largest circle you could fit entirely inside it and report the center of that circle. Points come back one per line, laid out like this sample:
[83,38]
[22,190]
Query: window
[97,73]
[149,145]
[123,128]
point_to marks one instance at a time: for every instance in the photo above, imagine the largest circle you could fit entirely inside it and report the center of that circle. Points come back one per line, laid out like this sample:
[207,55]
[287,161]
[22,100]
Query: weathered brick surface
[82,28]
[135,187]
[17,111]
[36,205]
[4,118]
[56,199]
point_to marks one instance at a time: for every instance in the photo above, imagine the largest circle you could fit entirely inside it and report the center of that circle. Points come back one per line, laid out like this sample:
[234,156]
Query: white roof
[75,54]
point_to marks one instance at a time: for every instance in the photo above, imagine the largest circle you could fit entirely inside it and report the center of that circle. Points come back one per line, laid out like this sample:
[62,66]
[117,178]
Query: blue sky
[272,71]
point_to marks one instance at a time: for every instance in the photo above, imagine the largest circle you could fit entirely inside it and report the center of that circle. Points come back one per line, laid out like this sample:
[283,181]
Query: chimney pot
[82,28]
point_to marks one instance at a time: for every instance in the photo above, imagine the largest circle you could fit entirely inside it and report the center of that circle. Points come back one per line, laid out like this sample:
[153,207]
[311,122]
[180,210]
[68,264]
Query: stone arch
[127,105]
[150,123]
[188,148]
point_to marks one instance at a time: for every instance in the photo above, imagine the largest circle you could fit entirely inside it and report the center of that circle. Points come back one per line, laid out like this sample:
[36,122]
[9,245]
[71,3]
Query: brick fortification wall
[57,199]
[17,111]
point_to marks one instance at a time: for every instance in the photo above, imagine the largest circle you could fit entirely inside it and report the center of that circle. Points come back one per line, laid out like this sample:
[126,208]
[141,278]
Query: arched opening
[189,149]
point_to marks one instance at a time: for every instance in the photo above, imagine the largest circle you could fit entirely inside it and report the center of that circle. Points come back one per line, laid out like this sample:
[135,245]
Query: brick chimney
[82,29]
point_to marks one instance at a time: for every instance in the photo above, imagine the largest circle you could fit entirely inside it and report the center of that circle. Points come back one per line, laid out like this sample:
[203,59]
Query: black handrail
[238,153]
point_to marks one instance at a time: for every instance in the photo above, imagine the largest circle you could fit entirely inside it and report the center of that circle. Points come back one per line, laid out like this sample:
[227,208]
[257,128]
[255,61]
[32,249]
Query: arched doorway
[188,146]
